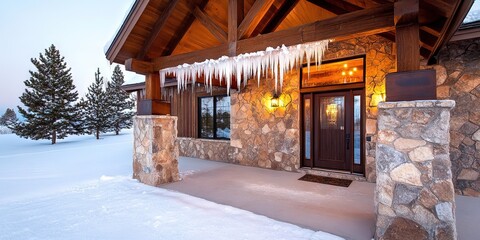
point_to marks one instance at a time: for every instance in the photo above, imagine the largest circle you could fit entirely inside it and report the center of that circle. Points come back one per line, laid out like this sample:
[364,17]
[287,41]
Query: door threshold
[333,173]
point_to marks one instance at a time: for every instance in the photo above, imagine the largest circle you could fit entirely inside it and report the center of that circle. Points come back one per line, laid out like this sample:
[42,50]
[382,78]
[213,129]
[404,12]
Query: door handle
[347,139]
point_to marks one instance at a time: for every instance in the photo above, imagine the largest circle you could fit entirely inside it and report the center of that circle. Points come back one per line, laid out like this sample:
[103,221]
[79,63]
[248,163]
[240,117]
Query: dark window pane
[223,117]
[206,117]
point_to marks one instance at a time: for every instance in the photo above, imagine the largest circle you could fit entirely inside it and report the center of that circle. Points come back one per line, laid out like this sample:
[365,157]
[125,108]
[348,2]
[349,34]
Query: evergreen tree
[49,99]
[121,104]
[9,118]
[96,109]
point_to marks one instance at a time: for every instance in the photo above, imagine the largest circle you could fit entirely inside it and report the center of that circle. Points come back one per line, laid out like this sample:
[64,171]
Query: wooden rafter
[341,7]
[253,17]
[138,66]
[460,9]
[159,24]
[443,8]
[235,16]
[359,23]
[213,27]
[335,6]
[281,13]
[126,28]
[184,26]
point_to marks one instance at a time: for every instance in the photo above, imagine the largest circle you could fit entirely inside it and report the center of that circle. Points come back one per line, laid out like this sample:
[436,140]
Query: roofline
[124,31]
[169,82]
[133,87]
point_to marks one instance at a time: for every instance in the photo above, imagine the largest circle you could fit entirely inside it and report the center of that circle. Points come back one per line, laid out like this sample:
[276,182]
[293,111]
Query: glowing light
[355,69]
[343,73]
[345,65]
[331,113]
[275,102]
[377,98]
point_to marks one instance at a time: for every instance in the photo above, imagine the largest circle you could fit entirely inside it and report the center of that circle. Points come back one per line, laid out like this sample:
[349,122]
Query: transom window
[214,117]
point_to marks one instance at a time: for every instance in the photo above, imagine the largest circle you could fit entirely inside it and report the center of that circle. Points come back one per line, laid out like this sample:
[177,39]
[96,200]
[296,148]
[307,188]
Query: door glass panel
[307,126]
[332,128]
[357,121]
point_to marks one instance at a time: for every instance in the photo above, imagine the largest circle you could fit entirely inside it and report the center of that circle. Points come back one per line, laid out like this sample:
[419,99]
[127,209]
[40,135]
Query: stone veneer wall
[458,78]
[269,138]
[217,150]
[155,151]
[414,194]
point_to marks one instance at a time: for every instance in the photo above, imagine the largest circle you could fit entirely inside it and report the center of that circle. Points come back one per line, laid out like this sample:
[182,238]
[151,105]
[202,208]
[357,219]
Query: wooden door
[333,130]
[330,131]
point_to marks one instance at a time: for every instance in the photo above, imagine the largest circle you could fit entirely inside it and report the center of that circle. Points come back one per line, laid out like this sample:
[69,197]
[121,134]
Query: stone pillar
[155,150]
[414,196]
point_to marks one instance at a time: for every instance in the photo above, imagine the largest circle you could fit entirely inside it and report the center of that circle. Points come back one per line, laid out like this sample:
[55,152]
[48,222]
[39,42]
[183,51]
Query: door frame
[359,88]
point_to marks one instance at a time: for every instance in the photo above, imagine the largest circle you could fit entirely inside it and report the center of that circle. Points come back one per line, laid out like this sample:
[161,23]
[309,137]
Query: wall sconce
[376,98]
[275,101]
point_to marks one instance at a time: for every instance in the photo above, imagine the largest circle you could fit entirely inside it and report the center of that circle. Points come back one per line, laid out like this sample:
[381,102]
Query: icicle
[277,61]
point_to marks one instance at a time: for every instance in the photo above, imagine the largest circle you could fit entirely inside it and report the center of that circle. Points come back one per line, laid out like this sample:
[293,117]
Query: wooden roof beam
[336,7]
[356,24]
[159,24]
[443,8]
[235,16]
[253,17]
[407,35]
[184,26]
[126,28]
[213,27]
[279,16]
[460,9]
[138,66]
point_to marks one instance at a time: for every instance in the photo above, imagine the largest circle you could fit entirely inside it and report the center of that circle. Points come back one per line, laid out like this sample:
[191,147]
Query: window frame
[199,115]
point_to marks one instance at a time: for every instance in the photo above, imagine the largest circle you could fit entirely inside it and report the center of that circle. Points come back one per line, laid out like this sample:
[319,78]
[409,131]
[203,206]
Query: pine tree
[121,104]
[96,109]
[9,118]
[49,99]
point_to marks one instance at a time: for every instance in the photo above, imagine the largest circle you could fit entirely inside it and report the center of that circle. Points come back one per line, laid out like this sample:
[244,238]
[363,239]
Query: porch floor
[346,212]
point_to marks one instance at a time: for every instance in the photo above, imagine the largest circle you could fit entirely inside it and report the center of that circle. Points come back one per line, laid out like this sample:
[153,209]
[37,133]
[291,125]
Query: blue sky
[79,29]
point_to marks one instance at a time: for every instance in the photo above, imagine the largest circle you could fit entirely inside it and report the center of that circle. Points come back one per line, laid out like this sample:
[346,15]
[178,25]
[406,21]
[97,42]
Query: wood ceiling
[159,28]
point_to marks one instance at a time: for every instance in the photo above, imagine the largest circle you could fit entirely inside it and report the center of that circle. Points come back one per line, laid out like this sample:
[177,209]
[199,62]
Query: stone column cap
[418,104]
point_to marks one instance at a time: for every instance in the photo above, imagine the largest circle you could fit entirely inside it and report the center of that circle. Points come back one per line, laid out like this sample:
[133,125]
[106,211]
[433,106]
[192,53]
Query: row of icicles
[249,65]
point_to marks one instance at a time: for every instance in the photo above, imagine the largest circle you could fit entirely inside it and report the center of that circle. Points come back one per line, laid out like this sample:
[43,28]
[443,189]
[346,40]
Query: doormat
[326,180]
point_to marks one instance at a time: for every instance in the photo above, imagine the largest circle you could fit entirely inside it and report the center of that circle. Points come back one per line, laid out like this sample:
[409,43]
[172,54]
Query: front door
[333,130]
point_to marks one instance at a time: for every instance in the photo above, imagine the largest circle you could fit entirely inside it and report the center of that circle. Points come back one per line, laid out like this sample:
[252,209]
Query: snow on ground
[81,189]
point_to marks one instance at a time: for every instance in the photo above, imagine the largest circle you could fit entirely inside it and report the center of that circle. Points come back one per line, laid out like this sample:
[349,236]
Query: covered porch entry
[345,212]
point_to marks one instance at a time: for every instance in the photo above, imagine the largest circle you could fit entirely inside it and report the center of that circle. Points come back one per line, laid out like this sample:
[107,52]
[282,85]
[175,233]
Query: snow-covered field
[81,188]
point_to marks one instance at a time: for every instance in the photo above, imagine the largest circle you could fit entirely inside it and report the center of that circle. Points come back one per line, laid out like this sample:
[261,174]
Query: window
[214,117]
[334,72]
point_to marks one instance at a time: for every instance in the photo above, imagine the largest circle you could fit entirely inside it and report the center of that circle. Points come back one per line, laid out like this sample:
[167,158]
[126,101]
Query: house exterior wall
[269,138]
[458,78]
